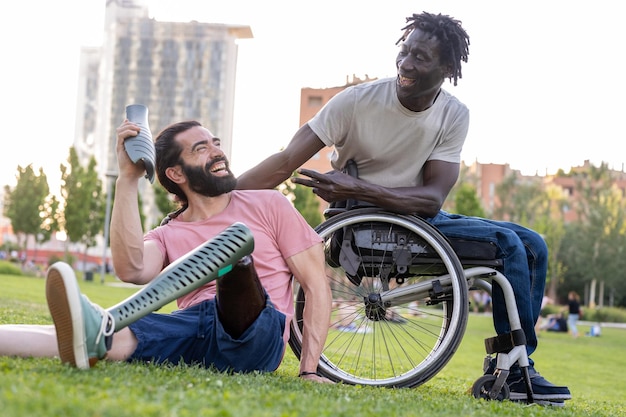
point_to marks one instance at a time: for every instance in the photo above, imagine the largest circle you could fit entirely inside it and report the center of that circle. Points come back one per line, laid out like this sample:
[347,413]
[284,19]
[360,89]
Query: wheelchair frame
[383,267]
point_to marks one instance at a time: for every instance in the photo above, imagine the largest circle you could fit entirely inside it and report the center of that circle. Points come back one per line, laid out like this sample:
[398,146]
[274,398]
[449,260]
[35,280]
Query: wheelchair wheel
[400,300]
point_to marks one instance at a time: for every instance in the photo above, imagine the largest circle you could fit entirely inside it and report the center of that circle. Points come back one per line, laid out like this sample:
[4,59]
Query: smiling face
[204,164]
[420,72]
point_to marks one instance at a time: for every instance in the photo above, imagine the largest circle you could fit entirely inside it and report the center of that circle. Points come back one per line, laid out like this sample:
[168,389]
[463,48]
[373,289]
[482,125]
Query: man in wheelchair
[405,135]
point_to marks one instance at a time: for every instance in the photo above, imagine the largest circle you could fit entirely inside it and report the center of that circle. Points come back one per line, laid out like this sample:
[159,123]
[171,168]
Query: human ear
[175,174]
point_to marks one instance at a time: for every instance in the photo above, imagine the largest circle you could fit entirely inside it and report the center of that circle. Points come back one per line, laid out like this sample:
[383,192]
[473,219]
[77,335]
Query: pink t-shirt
[279,232]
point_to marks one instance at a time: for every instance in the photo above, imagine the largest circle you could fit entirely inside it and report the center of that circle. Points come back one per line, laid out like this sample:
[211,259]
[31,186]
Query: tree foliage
[164,202]
[307,204]
[28,206]
[550,223]
[84,200]
[594,246]
[466,201]
[303,200]
[519,201]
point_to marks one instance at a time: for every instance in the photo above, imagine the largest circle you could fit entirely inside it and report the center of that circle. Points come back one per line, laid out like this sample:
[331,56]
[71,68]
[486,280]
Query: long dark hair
[168,155]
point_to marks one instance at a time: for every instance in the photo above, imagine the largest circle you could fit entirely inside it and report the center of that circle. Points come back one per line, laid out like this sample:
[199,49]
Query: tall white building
[181,71]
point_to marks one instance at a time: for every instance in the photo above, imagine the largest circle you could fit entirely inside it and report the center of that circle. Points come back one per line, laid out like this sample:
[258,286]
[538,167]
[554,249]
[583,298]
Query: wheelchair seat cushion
[471,249]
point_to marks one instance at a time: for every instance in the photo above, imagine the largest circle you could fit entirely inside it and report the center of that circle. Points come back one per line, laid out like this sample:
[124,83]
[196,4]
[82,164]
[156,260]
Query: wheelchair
[400,302]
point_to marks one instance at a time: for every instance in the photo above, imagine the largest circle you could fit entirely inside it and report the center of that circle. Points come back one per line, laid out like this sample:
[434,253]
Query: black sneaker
[544,392]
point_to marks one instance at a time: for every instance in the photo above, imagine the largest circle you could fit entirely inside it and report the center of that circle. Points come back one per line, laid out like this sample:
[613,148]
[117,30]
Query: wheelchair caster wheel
[483,385]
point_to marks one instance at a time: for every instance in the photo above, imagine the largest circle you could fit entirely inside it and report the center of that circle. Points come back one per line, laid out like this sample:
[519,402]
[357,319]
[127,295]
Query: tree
[519,202]
[542,210]
[307,204]
[465,177]
[25,205]
[84,201]
[303,200]
[163,200]
[466,201]
[550,224]
[593,248]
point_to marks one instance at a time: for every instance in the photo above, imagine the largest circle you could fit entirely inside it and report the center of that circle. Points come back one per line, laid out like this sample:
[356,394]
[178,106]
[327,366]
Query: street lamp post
[111,176]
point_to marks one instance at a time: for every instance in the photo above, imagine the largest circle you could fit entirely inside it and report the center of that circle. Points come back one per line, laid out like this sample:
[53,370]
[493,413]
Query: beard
[203,182]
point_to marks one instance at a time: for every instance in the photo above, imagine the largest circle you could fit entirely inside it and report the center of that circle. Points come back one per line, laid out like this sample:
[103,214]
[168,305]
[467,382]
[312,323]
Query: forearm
[308,269]
[267,175]
[280,166]
[126,231]
[316,322]
[423,199]
[403,200]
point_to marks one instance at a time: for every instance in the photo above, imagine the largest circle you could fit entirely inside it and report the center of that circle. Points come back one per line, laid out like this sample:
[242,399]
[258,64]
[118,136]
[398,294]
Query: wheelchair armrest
[343,206]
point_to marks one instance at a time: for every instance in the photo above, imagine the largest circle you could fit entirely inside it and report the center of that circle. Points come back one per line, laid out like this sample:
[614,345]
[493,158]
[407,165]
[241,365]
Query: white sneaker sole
[63,297]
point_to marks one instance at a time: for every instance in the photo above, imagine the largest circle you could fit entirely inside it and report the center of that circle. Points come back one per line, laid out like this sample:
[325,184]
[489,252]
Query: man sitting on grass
[239,322]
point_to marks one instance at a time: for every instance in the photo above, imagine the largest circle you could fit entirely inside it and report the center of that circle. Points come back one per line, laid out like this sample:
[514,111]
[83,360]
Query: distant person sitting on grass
[239,322]
[555,323]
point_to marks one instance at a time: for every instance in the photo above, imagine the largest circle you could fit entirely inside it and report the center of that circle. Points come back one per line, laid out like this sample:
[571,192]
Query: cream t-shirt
[390,143]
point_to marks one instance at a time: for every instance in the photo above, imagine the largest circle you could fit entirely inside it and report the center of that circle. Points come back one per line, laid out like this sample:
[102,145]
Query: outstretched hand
[331,186]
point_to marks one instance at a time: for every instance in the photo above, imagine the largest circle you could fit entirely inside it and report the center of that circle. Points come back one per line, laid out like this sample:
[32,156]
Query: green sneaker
[84,330]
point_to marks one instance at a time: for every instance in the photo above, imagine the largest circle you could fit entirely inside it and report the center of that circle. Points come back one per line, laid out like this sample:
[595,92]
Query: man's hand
[126,167]
[316,378]
[332,186]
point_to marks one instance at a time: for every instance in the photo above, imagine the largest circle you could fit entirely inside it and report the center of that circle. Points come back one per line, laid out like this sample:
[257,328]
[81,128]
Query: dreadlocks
[453,38]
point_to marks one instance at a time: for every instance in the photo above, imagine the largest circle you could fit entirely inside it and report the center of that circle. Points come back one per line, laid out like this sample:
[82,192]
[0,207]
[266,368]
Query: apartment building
[179,70]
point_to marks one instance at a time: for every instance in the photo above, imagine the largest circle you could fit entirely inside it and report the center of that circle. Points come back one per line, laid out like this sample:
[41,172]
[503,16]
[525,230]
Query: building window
[315,101]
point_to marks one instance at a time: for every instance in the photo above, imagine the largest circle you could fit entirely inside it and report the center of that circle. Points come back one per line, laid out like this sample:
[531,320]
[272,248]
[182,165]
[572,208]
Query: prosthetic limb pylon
[207,262]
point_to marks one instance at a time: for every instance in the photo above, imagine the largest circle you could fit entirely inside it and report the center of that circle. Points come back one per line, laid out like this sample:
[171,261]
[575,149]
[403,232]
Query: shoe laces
[107,325]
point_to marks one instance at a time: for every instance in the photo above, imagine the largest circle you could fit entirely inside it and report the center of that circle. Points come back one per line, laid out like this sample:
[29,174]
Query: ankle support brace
[200,266]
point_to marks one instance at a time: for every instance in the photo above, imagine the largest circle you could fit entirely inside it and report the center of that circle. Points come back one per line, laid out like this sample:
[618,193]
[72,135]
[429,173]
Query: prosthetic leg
[211,260]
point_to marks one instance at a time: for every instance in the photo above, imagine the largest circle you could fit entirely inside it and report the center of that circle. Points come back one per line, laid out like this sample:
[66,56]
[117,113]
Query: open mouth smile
[406,82]
[217,167]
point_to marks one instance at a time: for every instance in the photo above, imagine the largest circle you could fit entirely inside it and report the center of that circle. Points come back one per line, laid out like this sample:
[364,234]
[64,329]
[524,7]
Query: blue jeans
[195,336]
[572,320]
[525,256]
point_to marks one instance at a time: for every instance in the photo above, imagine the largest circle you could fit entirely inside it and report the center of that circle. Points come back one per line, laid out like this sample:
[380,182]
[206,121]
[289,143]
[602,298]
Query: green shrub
[604,315]
[601,315]
[551,309]
[54,258]
[9,268]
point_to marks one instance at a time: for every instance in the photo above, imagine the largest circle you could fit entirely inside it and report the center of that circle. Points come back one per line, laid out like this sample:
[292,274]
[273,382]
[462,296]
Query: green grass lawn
[593,368]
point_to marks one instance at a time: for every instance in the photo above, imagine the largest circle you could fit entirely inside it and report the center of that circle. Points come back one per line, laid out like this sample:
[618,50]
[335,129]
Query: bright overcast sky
[543,81]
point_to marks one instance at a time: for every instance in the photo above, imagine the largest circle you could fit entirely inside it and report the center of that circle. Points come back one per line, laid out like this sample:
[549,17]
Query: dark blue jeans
[195,335]
[525,256]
